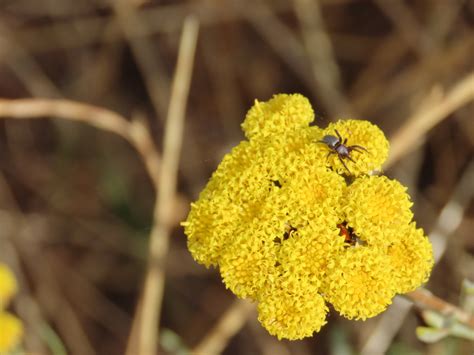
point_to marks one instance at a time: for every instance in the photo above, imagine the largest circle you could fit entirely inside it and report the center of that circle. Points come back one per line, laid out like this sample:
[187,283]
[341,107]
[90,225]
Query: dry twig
[146,54]
[416,127]
[424,299]
[159,239]
[138,135]
[447,222]
[229,324]
[320,51]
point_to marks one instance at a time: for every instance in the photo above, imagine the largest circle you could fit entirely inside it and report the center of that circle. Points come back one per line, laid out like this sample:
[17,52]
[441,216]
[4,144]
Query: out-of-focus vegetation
[76,203]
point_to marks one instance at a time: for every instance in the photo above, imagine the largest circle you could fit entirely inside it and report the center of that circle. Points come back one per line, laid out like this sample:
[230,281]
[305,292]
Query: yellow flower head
[360,284]
[364,134]
[308,252]
[281,114]
[411,259]
[270,218]
[291,309]
[248,260]
[8,285]
[11,332]
[377,208]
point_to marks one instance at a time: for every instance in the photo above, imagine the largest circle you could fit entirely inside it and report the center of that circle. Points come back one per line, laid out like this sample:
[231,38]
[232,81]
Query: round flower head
[8,285]
[377,208]
[308,252]
[256,171]
[411,259]
[280,114]
[279,220]
[231,198]
[245,265]
[11,332]
[359,285]
[291,308]
[363,134]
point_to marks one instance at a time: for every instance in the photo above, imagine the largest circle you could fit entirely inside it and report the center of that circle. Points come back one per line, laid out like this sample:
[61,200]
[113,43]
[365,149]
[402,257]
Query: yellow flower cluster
[11,328]
[293,224]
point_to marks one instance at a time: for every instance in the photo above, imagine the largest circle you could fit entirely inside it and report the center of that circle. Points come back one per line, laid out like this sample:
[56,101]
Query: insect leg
[356,147]
[345,166]
[349,157]
[338,135]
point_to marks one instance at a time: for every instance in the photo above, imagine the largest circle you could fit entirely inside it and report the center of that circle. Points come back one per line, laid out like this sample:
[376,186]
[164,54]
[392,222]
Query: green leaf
[462,331]
[433,319]
[172,342]
[431,335]
[467,296]
[52,339]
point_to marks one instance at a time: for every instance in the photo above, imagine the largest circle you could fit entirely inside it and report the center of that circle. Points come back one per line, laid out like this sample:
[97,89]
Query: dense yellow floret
[284,170]
[290,228]
[377,208]
[249,258]
[8,285]
[309,252]
[360,284]
[11,332]
[364,134]
[411,259]
[280,114]
[292,308]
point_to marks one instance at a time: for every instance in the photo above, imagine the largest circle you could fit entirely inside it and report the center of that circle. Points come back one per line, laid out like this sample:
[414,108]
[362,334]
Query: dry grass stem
[281,38]
[406,24]
[447,222]
[149,312]
[323,63]
[427,69]
[228,325]
[146,54]
[25,66]
[39,108]
[134,132]
[426,300]
[413,131]
[89,228]
[160,19]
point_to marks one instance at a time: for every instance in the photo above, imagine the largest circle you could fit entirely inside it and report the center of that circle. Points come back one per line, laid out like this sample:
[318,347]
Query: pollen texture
[377,207]
[292,229]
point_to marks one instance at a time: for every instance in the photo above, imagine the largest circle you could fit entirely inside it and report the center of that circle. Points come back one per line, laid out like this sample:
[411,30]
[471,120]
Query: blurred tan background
[76,203]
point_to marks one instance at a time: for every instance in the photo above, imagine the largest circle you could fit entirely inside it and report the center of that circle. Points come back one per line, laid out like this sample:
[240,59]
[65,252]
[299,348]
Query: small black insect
[337,145]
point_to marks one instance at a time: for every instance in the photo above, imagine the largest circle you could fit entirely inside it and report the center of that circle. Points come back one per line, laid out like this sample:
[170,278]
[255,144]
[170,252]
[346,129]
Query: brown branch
[447,222]
[320,51]
[146,55]
[424,299]
[149,312]
[160,19]
[135,132]
[228,325]
[138,135]
[407,25]
[416,127]
[71,110]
